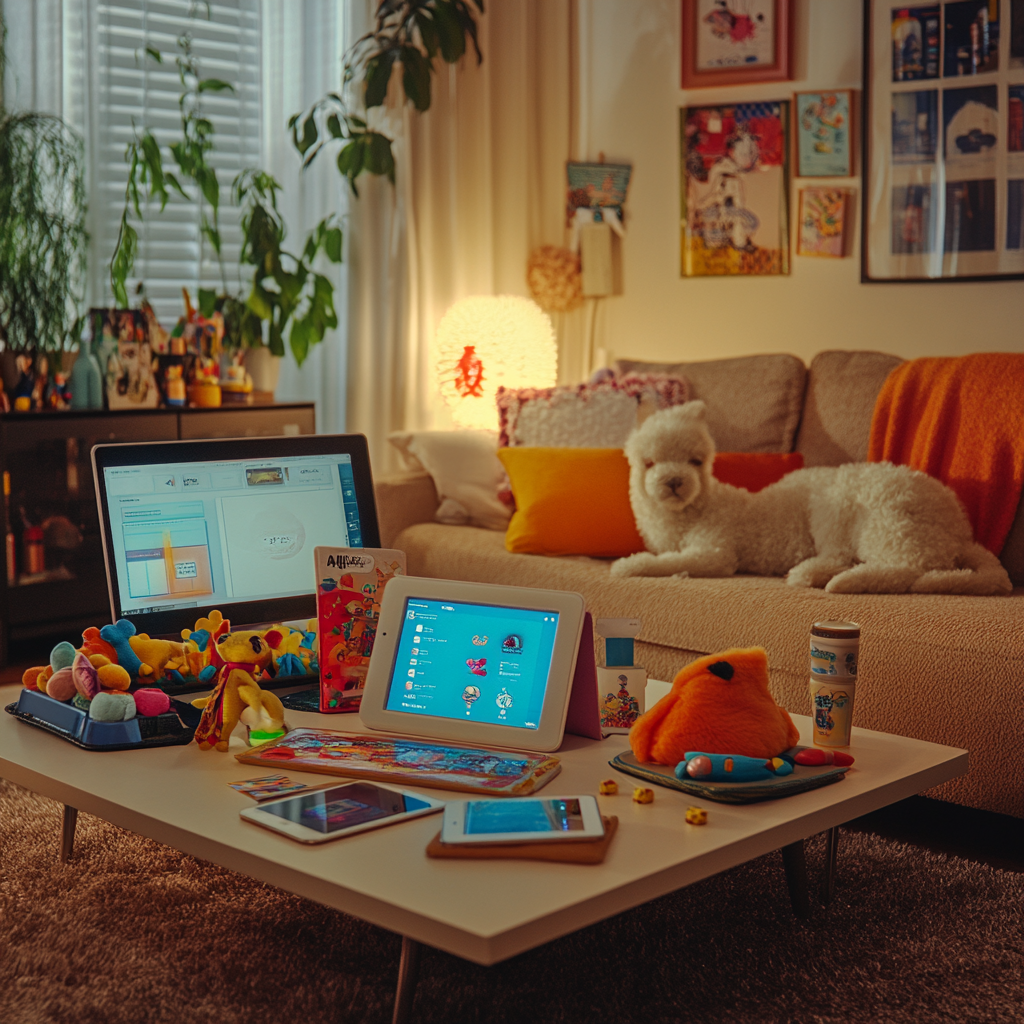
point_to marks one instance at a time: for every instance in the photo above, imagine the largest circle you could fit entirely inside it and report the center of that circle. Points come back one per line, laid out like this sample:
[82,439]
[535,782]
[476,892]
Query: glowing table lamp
[484,342]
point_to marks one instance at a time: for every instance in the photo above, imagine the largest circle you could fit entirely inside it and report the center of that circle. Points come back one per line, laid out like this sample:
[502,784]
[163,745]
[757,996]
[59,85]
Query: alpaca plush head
[670,457]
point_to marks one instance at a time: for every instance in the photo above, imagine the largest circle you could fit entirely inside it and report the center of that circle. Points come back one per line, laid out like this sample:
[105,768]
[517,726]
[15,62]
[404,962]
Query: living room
[471,175]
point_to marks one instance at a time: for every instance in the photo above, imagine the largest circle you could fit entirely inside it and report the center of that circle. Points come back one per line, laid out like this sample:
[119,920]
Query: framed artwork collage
[944,140]
[737,159]
[941,144]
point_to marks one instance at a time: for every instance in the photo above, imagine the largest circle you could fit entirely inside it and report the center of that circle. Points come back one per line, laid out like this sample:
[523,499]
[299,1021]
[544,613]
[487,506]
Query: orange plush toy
[719,704]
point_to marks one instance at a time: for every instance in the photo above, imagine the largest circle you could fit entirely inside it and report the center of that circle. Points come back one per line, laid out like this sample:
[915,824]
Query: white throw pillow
[466,472]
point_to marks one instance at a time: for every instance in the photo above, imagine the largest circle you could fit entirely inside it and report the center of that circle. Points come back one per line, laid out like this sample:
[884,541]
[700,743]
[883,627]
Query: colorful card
[349,589]
[412,762]
[267,786]
[824,213]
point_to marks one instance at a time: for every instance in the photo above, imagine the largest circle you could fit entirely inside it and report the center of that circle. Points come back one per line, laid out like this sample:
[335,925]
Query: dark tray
[173,728]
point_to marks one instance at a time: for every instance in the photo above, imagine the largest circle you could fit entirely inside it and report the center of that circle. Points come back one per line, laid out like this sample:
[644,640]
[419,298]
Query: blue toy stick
[730,767]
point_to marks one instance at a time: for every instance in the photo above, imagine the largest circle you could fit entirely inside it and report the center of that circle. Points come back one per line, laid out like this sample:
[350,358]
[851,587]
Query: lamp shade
[485,342]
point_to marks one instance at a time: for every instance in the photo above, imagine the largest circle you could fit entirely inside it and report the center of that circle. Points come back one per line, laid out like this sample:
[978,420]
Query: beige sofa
[941,668]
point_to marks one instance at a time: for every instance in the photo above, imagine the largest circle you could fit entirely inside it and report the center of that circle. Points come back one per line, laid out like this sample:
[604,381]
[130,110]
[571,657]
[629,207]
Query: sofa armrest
[402,500]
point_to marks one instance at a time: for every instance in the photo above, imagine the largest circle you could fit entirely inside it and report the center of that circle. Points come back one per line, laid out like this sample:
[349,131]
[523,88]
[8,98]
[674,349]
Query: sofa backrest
[753,402]
[841,392]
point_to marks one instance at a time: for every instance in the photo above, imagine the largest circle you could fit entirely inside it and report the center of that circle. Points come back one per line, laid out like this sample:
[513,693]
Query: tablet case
[585,852]
[804,777]
[584,714]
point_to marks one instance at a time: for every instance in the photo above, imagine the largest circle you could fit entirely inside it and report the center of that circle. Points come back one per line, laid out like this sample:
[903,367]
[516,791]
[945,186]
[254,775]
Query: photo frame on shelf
[121,343]
[734,171]
[824,131]
[943,141]
[735,42]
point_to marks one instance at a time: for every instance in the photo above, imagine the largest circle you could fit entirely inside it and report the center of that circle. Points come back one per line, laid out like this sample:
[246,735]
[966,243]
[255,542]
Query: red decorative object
[470,378]
[737,24]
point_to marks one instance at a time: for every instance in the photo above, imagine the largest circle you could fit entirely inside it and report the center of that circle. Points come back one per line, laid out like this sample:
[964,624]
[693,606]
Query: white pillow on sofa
[466,472]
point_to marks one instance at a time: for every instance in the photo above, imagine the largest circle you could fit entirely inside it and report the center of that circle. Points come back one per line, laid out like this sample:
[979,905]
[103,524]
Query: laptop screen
[219,531]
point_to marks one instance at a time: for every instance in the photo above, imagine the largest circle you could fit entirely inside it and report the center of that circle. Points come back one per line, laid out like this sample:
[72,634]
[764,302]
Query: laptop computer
[231,524]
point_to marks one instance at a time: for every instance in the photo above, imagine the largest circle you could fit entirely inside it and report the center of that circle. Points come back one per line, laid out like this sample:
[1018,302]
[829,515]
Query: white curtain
[303,45]
[481,182]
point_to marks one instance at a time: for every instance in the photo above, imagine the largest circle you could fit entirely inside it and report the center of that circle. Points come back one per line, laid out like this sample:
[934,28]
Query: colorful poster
[824,213]
[972,38]
[735,185]
[350,587]
[915,43]
[915,126]
[735,34]
[823,133]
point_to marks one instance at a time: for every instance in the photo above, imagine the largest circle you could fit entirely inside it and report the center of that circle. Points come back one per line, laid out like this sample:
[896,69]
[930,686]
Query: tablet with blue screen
[473,662]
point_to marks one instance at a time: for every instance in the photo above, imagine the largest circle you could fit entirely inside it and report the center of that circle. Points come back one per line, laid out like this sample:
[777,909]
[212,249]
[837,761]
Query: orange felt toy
[720,705]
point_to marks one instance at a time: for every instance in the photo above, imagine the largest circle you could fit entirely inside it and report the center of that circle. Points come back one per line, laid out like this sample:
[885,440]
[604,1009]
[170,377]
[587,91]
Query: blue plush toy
[730,767]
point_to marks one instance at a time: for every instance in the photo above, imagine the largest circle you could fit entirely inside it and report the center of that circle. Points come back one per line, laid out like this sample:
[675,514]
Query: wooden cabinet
[46,459]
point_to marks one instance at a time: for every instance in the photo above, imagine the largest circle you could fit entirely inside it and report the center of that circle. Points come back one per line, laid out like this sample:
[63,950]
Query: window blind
[134,92]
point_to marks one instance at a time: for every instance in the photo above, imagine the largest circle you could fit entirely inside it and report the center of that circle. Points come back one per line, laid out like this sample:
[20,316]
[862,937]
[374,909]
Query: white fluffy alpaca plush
[858,528]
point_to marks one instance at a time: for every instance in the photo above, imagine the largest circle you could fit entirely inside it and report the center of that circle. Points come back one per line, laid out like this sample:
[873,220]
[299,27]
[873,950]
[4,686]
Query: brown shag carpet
[131,931]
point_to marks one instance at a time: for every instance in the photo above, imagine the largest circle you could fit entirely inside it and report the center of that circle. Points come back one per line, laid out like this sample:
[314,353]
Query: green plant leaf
[332,244]
[206,179]
[351,159]
[416,77]
[449,31]
[428,33]
[207,301]
[300,341]
[215,85]
[334,127]
[259,304]
[378,75]
[275,340]
[175,184]
[155,54]
[123,260]
[379,158]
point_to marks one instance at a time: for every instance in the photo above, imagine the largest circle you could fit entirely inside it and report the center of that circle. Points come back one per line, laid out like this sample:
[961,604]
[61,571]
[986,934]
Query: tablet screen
[494,817]
[332,810]
[475,662]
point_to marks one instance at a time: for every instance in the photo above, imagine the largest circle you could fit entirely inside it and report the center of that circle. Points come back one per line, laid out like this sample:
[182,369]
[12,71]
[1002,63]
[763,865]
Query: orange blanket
[960,420]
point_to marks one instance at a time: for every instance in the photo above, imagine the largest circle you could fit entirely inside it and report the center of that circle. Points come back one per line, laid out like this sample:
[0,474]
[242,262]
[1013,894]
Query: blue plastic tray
[174,727]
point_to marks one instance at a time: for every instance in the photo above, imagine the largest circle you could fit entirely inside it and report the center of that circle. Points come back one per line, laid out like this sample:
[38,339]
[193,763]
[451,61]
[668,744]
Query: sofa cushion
[754,402]
[570,501]
[841,392]
[944,668]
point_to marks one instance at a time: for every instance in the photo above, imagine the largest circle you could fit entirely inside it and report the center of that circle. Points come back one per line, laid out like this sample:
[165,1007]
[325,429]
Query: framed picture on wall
[735,189]
[824,221]
[943,138]
[729,42]
[824,134]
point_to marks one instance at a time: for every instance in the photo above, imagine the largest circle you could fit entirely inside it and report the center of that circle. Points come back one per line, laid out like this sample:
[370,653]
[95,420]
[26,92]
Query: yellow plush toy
[240,658]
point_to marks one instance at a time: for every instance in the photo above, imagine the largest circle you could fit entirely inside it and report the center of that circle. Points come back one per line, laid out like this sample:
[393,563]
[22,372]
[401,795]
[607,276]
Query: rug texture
[131,931]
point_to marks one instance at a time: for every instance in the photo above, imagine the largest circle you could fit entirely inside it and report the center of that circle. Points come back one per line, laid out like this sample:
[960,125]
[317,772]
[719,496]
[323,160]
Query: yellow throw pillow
[570,501]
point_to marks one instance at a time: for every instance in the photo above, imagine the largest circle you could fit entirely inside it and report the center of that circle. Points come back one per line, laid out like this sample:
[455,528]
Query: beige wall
[630,100]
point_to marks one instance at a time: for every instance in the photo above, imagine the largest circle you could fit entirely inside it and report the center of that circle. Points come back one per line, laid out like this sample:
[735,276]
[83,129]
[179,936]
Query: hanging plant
[409,33]
[42,229]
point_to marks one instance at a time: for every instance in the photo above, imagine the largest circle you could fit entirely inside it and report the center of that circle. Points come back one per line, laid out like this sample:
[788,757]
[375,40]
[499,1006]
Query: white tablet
[526,820]
[473,663]
[330,812]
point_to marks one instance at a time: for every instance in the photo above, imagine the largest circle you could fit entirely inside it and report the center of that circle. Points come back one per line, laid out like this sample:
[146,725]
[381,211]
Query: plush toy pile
[116,673]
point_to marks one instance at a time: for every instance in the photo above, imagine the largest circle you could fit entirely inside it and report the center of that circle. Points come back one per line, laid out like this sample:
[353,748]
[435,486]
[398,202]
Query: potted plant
[42,245]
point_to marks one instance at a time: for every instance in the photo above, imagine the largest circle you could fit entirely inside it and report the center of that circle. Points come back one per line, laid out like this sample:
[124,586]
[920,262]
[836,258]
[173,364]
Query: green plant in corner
[410,34]
[42,228]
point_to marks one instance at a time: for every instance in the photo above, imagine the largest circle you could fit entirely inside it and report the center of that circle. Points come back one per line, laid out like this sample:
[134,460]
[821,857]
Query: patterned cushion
[596,415]
[754,402]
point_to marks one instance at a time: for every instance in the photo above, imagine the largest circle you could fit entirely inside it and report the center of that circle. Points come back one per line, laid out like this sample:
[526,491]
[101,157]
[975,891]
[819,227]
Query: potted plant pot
[263,367]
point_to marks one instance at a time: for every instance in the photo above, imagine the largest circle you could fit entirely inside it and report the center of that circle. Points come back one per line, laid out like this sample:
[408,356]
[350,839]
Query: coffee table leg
[408,972]
[795,863]
[831,852]
[67,833]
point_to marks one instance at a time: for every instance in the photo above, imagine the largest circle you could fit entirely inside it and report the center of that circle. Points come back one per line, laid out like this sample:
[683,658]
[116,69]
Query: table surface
[484,911]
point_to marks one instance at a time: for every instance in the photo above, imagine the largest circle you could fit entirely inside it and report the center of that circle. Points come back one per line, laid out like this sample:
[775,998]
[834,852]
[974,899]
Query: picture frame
[734,174]
[942,137]
[735,42]
[825,221]
[121,343]
[823,132]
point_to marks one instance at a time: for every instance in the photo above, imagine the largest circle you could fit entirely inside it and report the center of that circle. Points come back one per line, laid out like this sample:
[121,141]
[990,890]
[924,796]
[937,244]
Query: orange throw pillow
[570,501]
[754,471]
[719,704]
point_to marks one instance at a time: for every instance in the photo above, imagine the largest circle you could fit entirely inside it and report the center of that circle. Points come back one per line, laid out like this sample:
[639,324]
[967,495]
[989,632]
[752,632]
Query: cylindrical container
[35,552]
[835,647]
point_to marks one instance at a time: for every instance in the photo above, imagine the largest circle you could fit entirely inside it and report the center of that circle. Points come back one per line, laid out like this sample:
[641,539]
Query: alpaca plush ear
[697,409]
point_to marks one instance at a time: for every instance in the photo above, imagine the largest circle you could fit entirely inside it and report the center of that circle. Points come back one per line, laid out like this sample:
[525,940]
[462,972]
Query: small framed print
[824,134]
[729,42]
[826,216]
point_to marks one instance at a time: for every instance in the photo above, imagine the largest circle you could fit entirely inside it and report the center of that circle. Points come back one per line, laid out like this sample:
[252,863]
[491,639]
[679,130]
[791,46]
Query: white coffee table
[485,911]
